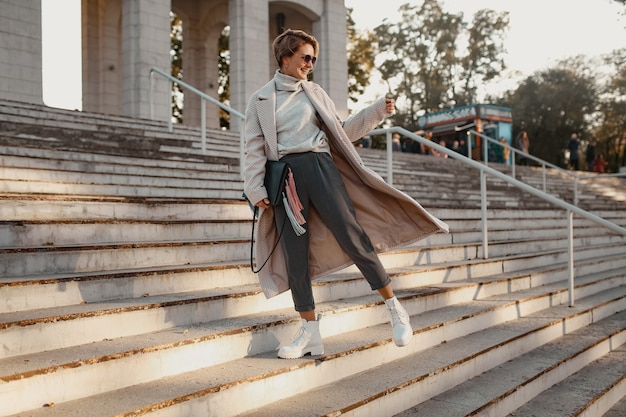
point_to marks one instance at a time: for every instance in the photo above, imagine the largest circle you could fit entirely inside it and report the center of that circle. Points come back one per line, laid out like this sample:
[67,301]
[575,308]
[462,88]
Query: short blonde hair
[287,43]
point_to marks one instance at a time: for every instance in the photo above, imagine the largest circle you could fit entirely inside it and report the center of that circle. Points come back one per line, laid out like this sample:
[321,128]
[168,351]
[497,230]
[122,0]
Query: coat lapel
[267,117]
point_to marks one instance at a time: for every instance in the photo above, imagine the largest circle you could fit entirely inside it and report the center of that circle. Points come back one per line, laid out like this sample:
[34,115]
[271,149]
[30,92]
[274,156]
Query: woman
[294,120]
[523,144]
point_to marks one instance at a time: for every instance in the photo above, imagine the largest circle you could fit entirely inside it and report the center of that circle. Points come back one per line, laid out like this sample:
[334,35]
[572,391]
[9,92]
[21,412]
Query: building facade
[123,39]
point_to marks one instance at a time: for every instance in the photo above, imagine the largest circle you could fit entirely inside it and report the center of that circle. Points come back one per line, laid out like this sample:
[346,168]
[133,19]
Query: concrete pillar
[332,71]
[249,51]
[20,51]
[145,44]
[203,24]
[102,56]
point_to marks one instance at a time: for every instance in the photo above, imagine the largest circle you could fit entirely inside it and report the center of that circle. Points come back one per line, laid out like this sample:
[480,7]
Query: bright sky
[541,32]
[62,67]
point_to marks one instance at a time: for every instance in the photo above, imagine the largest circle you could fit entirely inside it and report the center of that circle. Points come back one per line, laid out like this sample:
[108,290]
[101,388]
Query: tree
[360,58]
[484,60]
[611,134]
[552,104]
[436,60]
[223,75]
[176,58]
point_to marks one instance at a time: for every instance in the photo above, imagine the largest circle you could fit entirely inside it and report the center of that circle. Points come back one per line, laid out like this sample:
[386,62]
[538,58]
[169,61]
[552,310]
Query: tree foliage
[223,75]
[552,104]
[436,59]
[611,134]
[361,56]
[176,58]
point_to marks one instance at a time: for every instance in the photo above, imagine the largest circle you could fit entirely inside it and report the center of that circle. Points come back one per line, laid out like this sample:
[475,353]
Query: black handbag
[276,173]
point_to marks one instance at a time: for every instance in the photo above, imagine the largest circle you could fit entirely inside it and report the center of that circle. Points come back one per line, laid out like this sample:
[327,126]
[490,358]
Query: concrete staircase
[125,290]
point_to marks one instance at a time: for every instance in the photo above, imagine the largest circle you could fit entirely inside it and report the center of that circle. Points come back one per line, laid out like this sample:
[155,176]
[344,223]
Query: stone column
[145,44]
[332,71]
[201,32]
[249,51]
[20,51]
[102,56]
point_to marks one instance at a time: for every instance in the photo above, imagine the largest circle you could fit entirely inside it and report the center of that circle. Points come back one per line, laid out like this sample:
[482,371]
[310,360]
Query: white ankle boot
[402,330]
[307,340]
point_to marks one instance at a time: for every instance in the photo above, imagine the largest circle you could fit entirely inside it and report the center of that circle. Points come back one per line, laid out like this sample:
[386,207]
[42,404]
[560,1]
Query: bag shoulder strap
[254,216]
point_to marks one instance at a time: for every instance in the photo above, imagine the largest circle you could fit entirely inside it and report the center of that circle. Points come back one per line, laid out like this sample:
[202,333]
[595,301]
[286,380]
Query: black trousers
[319,185]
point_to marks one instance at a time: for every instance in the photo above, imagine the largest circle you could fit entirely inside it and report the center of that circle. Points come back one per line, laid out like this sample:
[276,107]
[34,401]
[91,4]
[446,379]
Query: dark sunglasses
[309,58]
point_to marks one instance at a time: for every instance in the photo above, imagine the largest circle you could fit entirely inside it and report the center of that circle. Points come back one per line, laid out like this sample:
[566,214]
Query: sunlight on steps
[127,290]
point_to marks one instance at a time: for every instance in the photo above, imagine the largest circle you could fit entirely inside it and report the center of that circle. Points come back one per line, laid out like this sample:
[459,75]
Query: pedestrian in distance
[590,155]
[599,164]
[522,142]
[396,144]
[574,151]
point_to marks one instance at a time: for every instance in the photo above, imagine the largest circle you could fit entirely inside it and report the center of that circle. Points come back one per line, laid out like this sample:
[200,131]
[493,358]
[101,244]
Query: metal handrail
[576,176]
[204,98]
[516,151]
[484,170]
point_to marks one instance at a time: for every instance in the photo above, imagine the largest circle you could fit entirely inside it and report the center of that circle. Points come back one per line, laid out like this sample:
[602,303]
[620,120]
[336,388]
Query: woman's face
[301,63]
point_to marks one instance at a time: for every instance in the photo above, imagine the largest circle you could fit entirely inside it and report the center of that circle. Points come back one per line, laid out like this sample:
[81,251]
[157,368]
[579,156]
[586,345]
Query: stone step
[198,180]
[16,208]
[158,145]
[30,233]
[344,350]
[212,190]
[451,196]
[556,379]
[103,286]
[61,159]
[124,258]
[414,172]
[448,262]
[38,115]
[35,261]
[161,308]
[417,378]
[25,168]
[592,391]
[48,233]
[50,258]
[618,410]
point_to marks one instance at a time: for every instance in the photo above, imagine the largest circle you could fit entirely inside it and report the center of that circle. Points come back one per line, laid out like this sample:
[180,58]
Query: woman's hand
[265,203]
[390,102]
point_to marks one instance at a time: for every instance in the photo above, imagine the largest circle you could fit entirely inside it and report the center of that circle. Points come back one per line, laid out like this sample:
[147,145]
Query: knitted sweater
[297,125]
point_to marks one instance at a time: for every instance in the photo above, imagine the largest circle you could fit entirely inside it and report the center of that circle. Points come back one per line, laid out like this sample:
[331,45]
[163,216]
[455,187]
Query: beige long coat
[390,217]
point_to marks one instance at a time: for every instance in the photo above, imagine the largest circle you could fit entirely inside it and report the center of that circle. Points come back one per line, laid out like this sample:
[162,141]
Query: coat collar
[266,106]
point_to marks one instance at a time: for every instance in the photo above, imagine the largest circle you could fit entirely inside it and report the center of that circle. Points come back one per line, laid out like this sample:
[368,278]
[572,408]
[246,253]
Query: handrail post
[513,158]
[389,159]
[570,254]
[486,151]
[170,128]
[203,124]
[576,190]
[150,96]
[483,212]
[543,171]
[469,144]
